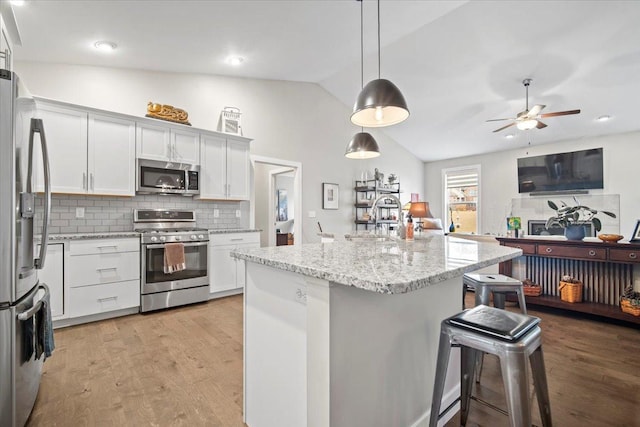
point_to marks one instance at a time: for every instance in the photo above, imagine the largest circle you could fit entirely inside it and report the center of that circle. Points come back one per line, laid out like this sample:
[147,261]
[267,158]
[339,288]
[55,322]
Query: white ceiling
[458,63]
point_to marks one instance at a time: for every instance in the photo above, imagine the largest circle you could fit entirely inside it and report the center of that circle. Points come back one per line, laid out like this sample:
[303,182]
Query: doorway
[276,200]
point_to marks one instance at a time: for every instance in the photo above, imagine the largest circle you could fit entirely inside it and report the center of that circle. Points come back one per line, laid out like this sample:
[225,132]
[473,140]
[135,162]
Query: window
[462,198]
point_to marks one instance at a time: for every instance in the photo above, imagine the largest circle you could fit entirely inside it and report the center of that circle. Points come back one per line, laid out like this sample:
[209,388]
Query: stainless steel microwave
[167,178]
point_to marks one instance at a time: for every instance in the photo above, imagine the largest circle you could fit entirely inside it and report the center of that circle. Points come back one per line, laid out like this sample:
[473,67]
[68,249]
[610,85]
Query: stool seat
[472,279]
[500,324]
[514,338]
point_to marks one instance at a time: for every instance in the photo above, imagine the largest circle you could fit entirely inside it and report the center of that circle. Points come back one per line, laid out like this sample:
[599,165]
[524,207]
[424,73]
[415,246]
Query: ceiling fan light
[362,146]
[527,124]
[379,104]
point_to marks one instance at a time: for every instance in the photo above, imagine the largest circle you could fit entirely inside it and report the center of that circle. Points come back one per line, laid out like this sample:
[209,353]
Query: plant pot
[575,232]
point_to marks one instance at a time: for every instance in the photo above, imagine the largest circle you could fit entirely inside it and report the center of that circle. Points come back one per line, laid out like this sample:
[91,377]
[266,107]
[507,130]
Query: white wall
[499,179]
[288,120]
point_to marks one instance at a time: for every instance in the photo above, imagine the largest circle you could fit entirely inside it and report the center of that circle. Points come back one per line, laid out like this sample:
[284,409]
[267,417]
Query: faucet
[373,212]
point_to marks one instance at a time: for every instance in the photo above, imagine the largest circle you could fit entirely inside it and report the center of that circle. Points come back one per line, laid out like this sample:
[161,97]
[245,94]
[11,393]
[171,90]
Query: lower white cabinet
[53,276]
[103,275]
[227,273]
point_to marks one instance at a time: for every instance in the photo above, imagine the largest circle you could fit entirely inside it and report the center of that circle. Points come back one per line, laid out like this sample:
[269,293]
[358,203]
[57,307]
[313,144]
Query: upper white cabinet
[225,168]
[158,142]
[88,153]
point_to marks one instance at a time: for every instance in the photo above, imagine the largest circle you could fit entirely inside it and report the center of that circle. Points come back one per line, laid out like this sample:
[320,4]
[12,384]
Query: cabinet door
[66,133]
[53,276]
[153,141]
[213,167]
[112,150]
[238,164]
[222,268]
[186,146]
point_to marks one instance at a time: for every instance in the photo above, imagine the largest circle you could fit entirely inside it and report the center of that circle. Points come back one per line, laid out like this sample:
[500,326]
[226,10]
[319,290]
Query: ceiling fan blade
[504,127]
[560,113]
[535,110]
[540,125]
[497,120]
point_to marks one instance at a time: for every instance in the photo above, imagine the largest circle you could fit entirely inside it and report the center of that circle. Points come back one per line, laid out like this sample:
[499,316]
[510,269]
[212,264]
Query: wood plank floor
[183,367]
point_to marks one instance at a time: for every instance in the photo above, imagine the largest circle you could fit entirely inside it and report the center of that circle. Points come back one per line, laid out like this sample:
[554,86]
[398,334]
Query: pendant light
[380,103]
[363,145]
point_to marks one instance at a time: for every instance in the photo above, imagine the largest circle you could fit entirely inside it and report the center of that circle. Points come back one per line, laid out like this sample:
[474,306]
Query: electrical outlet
[216,213]
[79,212]
[238,213]
[301,296]
[312,214]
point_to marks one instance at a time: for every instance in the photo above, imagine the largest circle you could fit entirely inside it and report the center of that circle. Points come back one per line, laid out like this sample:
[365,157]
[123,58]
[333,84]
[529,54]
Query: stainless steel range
[163,290]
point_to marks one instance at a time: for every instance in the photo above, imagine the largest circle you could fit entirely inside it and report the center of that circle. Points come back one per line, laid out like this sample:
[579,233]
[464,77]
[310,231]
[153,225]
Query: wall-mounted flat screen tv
[576,170]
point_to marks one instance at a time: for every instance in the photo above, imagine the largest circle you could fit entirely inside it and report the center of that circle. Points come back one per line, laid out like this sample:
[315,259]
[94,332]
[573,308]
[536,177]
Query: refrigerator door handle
[37,126]
[28,314]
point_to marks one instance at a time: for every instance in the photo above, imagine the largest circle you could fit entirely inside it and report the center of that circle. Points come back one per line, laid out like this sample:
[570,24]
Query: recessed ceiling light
[509,136]
[105,46]
[235,60]
[17,2]
[603,118]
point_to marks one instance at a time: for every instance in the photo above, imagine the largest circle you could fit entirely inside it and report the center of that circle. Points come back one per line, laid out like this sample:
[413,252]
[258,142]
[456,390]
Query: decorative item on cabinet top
[230,121]
[167,112]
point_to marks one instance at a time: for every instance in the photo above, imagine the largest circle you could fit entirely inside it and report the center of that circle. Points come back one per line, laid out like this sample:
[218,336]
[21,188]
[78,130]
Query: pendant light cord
[361,49]
[378,39]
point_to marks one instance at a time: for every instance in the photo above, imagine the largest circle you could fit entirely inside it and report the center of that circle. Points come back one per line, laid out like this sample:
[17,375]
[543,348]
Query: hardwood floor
[184,367]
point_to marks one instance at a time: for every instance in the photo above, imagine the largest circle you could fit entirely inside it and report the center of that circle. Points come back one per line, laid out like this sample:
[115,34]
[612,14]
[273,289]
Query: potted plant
[574,218]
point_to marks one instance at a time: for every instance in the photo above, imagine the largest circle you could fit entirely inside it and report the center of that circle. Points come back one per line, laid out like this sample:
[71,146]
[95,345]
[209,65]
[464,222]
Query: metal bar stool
[498,285]
[513,337]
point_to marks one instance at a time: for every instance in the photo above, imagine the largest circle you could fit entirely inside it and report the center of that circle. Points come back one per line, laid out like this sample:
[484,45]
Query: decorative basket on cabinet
[570,289]
[630,301]
[531,289]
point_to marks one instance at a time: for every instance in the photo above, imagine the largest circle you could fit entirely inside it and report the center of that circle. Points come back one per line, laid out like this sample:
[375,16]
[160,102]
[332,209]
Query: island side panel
[383,354]
[275,348]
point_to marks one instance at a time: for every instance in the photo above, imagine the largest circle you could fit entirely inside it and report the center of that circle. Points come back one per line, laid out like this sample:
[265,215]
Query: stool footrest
[490,405]
[443,413]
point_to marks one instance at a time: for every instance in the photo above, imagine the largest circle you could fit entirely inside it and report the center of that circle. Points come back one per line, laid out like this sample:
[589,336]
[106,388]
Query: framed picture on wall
[282,214]
[330,196]
[636,232]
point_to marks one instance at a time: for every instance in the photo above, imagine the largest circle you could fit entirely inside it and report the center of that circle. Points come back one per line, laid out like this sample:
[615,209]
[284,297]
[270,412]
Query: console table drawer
[624,255]
[527,248]
[572,252]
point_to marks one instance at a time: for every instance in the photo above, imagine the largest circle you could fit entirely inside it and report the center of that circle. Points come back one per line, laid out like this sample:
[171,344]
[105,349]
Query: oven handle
[161,245]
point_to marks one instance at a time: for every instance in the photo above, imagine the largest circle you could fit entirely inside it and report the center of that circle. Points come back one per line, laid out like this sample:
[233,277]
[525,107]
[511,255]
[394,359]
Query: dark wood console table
[605,270]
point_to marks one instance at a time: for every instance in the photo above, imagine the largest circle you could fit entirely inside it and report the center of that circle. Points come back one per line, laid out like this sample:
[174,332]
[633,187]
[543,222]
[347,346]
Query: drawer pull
[549,250]
[107,246]
[237,240]
[106,269]
[592,253]
[107,299]
[633,255]
[518,247]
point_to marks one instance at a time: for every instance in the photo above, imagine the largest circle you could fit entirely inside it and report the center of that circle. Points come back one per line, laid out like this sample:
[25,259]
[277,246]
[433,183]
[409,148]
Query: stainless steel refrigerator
[22,297]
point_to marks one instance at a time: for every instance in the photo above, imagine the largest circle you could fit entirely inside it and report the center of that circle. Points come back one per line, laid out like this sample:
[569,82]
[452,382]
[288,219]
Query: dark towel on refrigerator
[27,339]
[44,329]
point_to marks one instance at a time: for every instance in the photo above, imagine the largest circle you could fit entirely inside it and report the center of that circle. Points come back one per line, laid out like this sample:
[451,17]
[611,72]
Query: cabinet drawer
[234,238]
[104,268]
[624,255]
[96,299]
[572,252]
[104,246]
[527,248]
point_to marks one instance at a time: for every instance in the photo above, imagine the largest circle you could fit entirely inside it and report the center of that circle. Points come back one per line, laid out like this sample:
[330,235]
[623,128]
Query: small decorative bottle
[409,228]
[452,227]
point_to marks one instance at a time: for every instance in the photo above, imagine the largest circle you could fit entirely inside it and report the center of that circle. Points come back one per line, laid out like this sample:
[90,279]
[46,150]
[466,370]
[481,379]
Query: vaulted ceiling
[458,63]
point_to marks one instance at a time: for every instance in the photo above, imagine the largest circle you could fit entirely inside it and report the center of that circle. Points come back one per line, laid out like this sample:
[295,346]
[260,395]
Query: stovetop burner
[168,225]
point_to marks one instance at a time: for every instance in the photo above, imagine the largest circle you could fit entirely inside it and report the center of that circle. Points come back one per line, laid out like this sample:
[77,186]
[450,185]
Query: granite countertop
[233,230]
[388,267]
[85,236]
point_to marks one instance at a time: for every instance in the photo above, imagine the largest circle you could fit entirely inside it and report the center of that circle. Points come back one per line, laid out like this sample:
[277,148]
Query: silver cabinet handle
[107,246]
[633,255]
[91,180]
[592,253]
[107,299]
[84,181]
[240,239]
[549,250]
[106,269]
[37,126]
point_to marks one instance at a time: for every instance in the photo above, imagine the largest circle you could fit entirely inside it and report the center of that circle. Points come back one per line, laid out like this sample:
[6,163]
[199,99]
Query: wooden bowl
[610,238]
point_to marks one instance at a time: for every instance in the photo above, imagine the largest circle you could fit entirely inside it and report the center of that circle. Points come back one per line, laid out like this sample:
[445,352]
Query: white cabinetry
[227,273]
[88,153]
[159,142]
[225,167]
[53,276]
[103,275]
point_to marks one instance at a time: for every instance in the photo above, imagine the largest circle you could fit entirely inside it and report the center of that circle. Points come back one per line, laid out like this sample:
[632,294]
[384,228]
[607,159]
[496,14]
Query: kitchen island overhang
[346,333]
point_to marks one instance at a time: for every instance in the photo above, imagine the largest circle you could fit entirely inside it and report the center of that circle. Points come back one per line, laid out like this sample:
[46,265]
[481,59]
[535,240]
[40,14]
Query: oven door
[154,278]
[155,179]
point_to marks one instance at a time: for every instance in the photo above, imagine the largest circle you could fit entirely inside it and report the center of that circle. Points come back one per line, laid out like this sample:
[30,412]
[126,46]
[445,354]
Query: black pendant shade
[362,146]
[380,103]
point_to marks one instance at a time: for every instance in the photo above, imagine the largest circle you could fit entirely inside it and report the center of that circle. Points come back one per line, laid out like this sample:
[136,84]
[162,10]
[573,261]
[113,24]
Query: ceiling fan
[529,119]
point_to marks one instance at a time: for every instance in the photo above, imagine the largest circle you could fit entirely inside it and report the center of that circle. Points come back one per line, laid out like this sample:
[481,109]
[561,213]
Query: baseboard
[449,397]
[228,293]
[63,323]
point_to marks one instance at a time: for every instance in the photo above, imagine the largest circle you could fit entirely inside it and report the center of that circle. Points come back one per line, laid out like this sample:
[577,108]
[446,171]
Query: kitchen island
[346,333]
